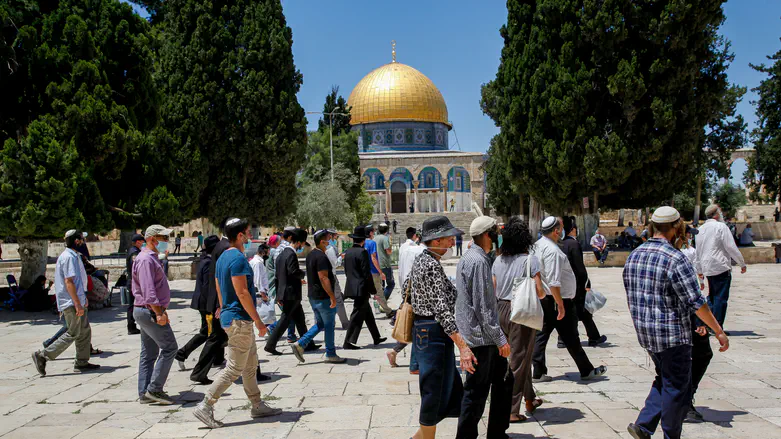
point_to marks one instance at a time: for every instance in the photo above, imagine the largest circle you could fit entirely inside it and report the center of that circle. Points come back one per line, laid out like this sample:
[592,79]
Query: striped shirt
[476,315]
[663,293]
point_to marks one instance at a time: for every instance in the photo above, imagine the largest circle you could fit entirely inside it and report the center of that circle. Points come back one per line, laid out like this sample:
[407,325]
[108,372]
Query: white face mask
[448,252]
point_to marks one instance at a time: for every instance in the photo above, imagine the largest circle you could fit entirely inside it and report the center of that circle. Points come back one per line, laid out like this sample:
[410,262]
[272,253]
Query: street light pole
[330,133]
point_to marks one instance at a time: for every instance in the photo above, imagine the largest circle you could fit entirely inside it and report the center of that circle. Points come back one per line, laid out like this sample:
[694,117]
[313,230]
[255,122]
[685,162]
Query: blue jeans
[441,389]
[670,395]
[718,295]
[54,338]
[413,360]
[158,349]
[390,283]
[325,320]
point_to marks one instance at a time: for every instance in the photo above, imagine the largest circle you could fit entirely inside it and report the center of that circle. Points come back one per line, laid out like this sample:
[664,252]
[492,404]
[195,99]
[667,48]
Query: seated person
[747,237]
[599,246]
[630,231]
[37,297]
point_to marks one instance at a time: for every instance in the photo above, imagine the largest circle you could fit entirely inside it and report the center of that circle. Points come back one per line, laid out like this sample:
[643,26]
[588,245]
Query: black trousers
[197,339]
[213,352]
[567,329]
[701,356]
[490,373]
[292,312]
[585,317]
[362,311]
[131,321]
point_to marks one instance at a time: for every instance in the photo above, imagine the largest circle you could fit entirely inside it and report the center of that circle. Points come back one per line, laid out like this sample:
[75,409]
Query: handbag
[402,330]
[594,301]
[526,306]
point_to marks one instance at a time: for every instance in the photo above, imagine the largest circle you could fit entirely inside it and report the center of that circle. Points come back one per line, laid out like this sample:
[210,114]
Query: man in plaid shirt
[663,292]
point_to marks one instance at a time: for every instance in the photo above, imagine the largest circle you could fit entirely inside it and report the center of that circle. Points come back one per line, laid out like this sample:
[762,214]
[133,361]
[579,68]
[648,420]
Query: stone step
[461,220]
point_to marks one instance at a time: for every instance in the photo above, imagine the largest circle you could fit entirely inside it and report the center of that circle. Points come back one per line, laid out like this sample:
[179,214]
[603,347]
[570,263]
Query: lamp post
[330,132]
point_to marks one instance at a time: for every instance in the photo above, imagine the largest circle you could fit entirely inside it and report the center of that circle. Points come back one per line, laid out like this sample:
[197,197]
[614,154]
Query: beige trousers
[242,356]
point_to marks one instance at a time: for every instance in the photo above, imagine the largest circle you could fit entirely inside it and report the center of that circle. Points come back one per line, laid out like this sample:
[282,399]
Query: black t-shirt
[317,261]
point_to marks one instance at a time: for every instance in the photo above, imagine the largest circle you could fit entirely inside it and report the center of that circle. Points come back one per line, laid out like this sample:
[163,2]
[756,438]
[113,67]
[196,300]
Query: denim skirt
[440,384]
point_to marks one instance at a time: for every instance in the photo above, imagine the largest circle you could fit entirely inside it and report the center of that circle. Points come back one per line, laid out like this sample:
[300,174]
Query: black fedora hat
[210,242]
[358,233]
[438,227]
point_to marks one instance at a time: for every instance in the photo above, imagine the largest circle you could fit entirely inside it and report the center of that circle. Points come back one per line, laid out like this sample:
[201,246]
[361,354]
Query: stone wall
[752,255]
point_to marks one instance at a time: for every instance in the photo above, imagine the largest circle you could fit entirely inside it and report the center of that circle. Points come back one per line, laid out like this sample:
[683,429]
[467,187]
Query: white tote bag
[595,301]
[526,306]
[266,312]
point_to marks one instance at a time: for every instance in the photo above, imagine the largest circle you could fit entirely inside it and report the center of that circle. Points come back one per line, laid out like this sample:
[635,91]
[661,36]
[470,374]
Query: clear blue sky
[457,45]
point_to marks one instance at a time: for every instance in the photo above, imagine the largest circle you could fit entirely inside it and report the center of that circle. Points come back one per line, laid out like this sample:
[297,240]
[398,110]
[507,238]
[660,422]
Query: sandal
[516,419]
[531,406]
[93,351]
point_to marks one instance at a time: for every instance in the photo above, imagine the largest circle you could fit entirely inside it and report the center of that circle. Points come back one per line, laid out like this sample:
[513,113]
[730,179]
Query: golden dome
[396,92]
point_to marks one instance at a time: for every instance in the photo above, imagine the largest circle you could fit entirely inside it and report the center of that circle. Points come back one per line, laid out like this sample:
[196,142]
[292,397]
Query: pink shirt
[150,286]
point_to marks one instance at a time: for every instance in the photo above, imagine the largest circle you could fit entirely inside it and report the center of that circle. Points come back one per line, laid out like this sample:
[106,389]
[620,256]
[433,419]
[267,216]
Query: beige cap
[710,210]
[156,230]
[480,225]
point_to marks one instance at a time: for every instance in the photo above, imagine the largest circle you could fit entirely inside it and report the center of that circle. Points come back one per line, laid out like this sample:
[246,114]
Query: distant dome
[396,92]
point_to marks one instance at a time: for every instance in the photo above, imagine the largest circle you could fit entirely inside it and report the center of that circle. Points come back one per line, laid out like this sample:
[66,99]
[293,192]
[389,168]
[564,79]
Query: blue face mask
[500,240]
[162,246]
[246,246]
[300,250]
[332,243]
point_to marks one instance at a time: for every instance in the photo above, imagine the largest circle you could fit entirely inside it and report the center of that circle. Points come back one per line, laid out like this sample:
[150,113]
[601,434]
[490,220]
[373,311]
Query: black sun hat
[438,227]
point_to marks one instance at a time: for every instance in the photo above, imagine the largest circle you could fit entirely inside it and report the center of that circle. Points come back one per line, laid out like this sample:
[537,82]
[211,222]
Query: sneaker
[261,410]
[636,432]
[598,371]
[693,416]
[161,398]
[298,351]
[205,413]
[182,367]
[335,360]
[133,331]
[542,379]
[40,363]
[143,399]
[85,367]
[597,342]
[391,354]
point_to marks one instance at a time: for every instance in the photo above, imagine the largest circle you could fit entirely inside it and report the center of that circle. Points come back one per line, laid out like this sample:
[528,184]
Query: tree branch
[117,209]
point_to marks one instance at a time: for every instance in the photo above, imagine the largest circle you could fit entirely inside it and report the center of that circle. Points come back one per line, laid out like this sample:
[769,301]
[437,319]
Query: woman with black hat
[435,331]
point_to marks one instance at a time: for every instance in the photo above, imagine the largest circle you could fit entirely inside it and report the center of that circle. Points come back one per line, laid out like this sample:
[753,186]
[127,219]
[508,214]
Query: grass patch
[43,401]
[101,401]
[172,411]
[77,412]
[270,398]
[241,407]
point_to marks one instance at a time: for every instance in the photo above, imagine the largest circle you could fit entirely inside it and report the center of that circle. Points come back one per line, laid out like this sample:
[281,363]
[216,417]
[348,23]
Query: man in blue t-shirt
[377,276]
[237,313]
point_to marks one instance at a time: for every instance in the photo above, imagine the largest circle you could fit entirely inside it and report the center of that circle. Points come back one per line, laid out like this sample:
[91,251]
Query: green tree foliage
[231,123]
[766,164]
[503,195]
[74,117]
[324,204]
[608,97]
[730,198]
[334,102]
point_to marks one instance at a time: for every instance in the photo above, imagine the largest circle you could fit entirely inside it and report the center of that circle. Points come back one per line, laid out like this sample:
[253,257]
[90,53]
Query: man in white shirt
[336,260]
[716,250]
[259,275]
[558,306]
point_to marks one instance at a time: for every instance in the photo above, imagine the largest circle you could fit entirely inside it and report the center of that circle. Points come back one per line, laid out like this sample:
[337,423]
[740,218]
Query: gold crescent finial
[393,52]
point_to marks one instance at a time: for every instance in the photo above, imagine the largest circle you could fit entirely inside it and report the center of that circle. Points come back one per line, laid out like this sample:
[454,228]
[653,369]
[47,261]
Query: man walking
[320,279]
[136,242]
[574,253]
[558,305]
[289,291]
[200,242]
[478,324]
[716,250]
[211,332]
[70,286]
[152,297]
[178,244]
[236,293]
[377,275]
[336,260]
[360,287]
[384,251]
[663,293]
[599,246]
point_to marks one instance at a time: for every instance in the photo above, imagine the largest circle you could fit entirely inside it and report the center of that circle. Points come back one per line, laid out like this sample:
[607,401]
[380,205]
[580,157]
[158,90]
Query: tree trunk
[124,240]
[33,253]
[647,216]
[521,213]
[698,201]
[535,217]
[620,217]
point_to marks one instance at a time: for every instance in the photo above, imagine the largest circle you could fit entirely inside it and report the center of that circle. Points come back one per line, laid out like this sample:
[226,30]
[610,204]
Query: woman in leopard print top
[433,294]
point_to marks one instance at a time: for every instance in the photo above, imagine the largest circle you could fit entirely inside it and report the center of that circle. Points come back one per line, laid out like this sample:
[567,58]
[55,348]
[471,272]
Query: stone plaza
[740,396]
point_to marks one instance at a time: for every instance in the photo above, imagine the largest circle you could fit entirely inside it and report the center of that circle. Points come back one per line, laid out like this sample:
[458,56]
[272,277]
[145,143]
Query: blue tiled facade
[402,136]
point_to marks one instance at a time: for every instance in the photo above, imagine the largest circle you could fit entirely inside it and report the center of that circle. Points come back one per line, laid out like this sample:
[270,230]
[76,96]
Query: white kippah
[70,232]
[549,222]
[665,214]
[232,221]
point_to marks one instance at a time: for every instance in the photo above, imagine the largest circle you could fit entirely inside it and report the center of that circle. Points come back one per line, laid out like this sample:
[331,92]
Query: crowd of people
[473,312]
